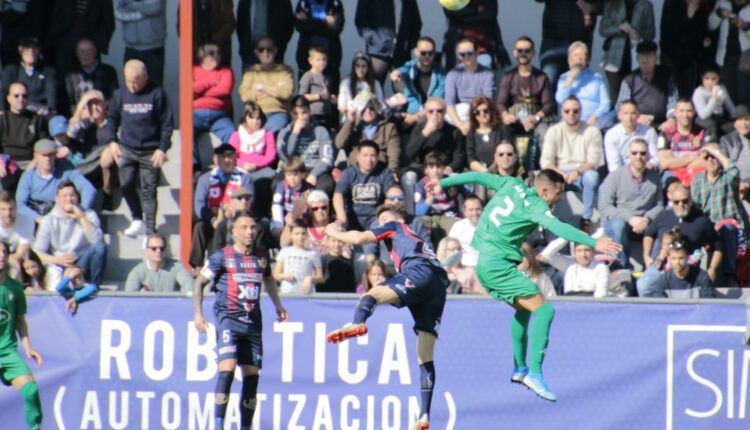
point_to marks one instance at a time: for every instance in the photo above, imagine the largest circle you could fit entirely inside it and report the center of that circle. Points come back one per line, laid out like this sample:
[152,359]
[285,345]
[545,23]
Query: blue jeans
[92,261]
[217,122]
[647,283]
[728,235]
[588,184]
[554,61]
[619,230]
[276,121]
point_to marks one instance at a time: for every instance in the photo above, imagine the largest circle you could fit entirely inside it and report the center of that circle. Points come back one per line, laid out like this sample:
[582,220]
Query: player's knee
[30,390]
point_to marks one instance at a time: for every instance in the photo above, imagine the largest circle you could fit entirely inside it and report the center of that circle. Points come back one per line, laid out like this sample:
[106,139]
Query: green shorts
[503,280]
[12,366]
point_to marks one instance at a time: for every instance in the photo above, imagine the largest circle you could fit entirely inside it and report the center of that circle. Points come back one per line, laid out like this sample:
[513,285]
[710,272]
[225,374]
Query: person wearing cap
[158,273]
[58,131]
[19,128]
[213,193]
[39,78]
[38,185]
[467,80]
[89,74]
[737,145]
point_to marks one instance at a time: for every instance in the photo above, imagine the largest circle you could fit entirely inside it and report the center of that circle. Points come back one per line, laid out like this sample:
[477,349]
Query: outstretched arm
[352,237]
[490,181]
[567,231]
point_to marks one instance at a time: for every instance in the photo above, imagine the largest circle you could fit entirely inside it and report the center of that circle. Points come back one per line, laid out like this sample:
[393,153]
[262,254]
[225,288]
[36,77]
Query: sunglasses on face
[466,54]
[318,208]
[20,96]
[156,248]
[426,53]
[263,49]
[504,154]
[432,111]
[214,52]
[523,51]
[396,198]
[641,153]
[481,111]
[246,198]
[571,111]
[681,202]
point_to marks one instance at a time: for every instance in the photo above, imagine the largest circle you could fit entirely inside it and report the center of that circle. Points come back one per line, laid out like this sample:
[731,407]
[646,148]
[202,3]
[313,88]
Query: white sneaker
[136,227]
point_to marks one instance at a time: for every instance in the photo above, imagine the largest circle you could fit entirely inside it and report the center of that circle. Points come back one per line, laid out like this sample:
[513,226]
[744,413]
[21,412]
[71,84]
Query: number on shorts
[225,336]
[501,211]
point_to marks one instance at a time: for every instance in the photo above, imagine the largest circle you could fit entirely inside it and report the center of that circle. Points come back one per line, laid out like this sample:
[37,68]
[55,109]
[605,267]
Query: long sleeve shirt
[313,144]
[66,288]
[461,85]
[279,77]
[622,196]
[257,148]
[59,234]
[144,119]
[515,88]
[590,89]
[171,276]
[32,186]
[567,150]
[593,278]
[721,199]
[707,106]
[617,145]
[212,89]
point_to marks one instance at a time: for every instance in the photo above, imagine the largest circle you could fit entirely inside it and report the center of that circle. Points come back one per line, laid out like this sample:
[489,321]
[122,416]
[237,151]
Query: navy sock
[247,402]
[364,309]
[426,383]
[221,397]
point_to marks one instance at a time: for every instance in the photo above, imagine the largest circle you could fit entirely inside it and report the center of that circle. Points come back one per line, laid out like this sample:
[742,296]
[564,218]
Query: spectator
[583,275]
[624,24]
[369,124]
[505,163]
[737,145]
[21,19]
[157,272]
[70,235]
[213,22]
[57,126]
[311,143]
[713,104]
[574,149]
[730,17]
[317,88]
[524,98]
[34,275]
[269,85]
[682,281]
[39,186]
[464,82]
[439,211]
[89,74]
[586,85]
[19,129]
[684,30]
[361,188]
[389,28]
[298,268]
[530,266]
[241,202]
[320,22]
[144,29]
[315,210]
[618,138]
[16,231]
[419,79]
[338,273]
[651,86]
[73,20]
[39,79]
[486,133]
[141,110]
[74,288]
[263,18]
[375,273]
[360,79]
[463,280]
[289,190]
[630,198]
[679,145]
[213,193]
[464,229]
[477,21]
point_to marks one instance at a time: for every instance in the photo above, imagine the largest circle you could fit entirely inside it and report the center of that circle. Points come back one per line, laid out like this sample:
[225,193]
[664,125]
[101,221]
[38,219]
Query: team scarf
[220,191]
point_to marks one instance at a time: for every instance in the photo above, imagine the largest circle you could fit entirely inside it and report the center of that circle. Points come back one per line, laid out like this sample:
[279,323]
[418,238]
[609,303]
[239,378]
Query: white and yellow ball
[454,4]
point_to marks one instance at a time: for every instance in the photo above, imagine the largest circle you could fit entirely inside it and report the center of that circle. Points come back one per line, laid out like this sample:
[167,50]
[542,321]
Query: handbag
[744,66]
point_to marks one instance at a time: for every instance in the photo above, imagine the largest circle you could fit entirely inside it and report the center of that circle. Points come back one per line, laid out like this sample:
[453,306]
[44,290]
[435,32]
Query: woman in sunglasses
[316,209]
[486,133]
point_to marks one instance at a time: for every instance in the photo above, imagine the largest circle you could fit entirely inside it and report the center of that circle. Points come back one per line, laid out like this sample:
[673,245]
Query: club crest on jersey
[4,316]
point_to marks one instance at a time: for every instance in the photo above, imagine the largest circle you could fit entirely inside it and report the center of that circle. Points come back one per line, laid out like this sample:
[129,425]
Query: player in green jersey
[507,220]
[13,370]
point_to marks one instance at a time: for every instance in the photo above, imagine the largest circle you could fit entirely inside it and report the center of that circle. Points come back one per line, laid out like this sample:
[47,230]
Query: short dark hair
[7,197]
[369,144]
[683,100]
[435,158]
[319,49]
[710,69]
[467,40]
[426,39]
[255,111]
[397,210]
[29,42]
[300,102]
[646,47]
[549,176]
[266,39]
[630,102]
[572,97]
[473,196]
[68,184]
[525,38]
[243,214]
[294,165]
[298,223]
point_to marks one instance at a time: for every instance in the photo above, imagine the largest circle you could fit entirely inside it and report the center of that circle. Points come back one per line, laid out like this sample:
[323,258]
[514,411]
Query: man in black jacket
[19,128]
[478,21]
[259,18]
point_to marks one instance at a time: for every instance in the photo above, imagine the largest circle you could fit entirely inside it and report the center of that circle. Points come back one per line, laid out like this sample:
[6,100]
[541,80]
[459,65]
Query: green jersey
[512,214]
[12,305]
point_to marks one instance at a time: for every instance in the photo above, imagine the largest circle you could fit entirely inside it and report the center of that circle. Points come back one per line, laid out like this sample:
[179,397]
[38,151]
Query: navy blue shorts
[245,346]
[422,289]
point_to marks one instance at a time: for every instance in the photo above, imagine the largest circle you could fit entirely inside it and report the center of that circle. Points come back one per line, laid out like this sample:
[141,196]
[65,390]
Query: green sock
[539,336]
[32,407]
[519,329]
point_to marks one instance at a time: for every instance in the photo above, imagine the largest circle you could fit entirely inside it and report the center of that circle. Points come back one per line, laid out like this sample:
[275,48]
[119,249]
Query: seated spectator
[338,273]
[524,97]
[39,186]
[586,85]
[361,78]
[213,192]
[618,138]
[682,281]
[650,86]
[213,21]
[583,275]
[315,210]
[158,273]
[38,78]
[466,81]
[737,145]
[33,275]
[15,231]
[316,86]
[574,149]
[630,198]
[242,202]
[439,212]
[505,163]
[486,133]
[70,235]
[713,104]
[679,146]
[369,124]
[478,21]
[298,268]
[463,279]
[311,143]
[278,24]
[464,229]
[19,129]
[57,126]
[530,266]
[375,273]
[361,188]
[419,79]
[289,190]
[319,22]
[90,74]
[268,84]
[74,288]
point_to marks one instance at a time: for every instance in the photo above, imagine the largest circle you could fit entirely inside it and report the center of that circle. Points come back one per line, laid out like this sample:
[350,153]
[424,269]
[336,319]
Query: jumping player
[420,285]
[512,214]
[239,271]
[13,370]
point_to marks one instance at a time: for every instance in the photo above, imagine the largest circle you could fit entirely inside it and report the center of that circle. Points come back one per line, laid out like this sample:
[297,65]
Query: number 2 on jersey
[501,211]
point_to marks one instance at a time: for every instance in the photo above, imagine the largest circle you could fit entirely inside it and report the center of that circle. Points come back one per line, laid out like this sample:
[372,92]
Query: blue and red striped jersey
[405,247]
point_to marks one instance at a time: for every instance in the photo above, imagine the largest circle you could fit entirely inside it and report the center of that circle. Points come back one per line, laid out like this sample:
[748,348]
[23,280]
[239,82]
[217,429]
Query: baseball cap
[45,146]
[58,125]
[242,192]
[224,147]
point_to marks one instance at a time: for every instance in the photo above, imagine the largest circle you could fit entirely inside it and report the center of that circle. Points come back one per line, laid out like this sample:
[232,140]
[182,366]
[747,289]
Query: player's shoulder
[13,285]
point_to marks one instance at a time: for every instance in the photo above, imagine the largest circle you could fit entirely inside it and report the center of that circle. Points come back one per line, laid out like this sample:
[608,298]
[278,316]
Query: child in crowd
[298,268]
[58,129]
[34,274]
[338,273]
[292,188]
[713,106]
[463,279]
[439,212]
[375,273]
[73,287]
[315,86]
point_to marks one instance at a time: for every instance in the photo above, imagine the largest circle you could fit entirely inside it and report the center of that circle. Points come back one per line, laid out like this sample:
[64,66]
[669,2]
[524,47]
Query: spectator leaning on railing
[157,272]
[16,231]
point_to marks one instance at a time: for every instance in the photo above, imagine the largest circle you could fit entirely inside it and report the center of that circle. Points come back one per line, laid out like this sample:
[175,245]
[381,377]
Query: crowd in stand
[656,145]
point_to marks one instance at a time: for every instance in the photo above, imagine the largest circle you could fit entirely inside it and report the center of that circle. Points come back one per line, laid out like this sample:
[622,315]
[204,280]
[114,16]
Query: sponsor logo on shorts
[4,316]
[409,284]
[227,349]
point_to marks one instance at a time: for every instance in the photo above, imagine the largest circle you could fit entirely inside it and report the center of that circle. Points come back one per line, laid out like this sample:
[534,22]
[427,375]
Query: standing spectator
[73,20]
[583,275]
[713,104]
[682,280]
[311,143]
[21,19]
[730,17]
[40,79]
[158,273]
[477,21]
[684,31]
[338,273]
[505,162]
[16,231]
[464,82]
[144,30]
[464,229]
[360,79]
[70,235]
[737,145]
[618,138]
[389,28]
[486,133]
[19,129]
[261,18]
[269,85]
[213,22]
[586,85]
[298,268]
[524,98]
[630,198]
[574,149]
[317,88]
[624,24]
[679,145]
[320,22]
[292,188]
[419,79]
[141,111]
[89,74]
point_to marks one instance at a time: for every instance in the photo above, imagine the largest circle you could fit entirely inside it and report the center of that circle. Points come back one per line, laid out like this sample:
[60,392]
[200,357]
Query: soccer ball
[454,4]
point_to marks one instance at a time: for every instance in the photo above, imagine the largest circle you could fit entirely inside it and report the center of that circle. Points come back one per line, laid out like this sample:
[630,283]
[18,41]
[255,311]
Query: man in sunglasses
[19,128]
[419,79]
[158,273]
[466,81]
